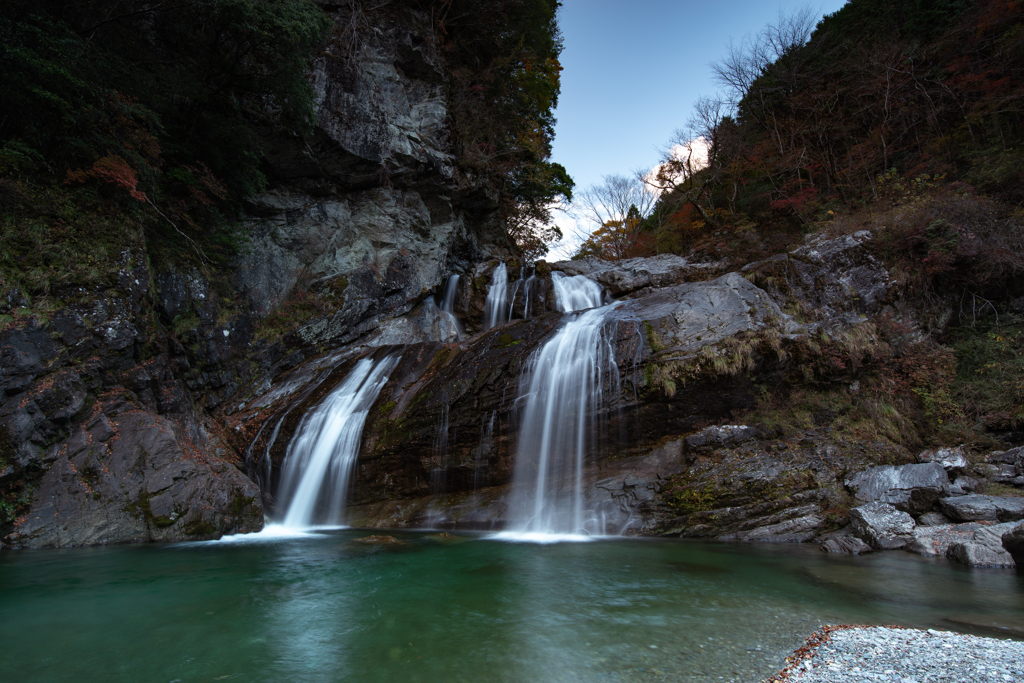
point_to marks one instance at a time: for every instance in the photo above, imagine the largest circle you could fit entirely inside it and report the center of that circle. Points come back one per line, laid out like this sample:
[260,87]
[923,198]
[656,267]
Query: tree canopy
[160,100]
[505,80]
[815,117]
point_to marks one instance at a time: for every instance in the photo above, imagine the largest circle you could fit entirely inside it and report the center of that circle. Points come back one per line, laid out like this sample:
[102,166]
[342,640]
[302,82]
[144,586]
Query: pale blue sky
[632,71]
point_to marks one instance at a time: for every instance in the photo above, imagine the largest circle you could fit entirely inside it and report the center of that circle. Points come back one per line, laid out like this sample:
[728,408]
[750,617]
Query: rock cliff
[365,216]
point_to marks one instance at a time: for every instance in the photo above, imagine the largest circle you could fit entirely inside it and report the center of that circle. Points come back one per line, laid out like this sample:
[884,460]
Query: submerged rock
[925,541]
[377,540]
[849,545]
[882,526]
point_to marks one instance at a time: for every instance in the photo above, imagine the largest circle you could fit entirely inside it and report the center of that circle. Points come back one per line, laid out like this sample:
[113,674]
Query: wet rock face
[444,430]
[127,476]
[848,545]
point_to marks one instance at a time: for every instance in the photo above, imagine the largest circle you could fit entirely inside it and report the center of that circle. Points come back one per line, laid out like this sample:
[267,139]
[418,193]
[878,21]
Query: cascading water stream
[447,304]
[497,296]
[562,388]
[321,455]
[575,293]
[515,291]
[527,287]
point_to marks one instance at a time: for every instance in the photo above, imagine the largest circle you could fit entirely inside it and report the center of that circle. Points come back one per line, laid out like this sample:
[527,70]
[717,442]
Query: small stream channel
[323,607]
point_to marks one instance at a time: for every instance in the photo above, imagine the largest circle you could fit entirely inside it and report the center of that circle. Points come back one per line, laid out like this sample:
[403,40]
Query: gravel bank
[851,654]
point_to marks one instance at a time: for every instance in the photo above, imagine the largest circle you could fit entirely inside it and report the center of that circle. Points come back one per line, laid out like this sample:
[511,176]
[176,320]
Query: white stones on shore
[860,654]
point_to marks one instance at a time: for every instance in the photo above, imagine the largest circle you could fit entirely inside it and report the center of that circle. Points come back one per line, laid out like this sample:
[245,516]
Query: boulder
[1000,473]
[683,320]
[1009,457]
[1013,542]
[793,525]
[882,526]
[911,488]
[949,458]
[963,485]
[986,550]
[932,519]
[977,508]
[849,545]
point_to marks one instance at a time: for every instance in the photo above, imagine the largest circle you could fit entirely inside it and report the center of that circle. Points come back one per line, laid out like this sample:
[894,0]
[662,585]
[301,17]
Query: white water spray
[321,455]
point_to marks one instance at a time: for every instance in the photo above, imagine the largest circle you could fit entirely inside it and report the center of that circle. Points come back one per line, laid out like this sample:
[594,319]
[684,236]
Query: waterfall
[483,452]
[515,291]
[562,389]
[497,295]
[439,474]
[575,293]
[527,287]
[323,451]
[447,304]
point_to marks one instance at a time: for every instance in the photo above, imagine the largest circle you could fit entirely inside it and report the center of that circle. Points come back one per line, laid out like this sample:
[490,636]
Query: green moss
[57,239]
[185,322]
[989,382]
[334,289]
[6,448]
[199,527]
[506,340]
[240,503]
[652,337]
[689,500]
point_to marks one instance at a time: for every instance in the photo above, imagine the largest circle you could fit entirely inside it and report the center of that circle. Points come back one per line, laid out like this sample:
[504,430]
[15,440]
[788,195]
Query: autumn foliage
[820,118]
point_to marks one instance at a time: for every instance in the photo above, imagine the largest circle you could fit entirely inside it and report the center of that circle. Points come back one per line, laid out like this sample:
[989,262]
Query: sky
[632,71]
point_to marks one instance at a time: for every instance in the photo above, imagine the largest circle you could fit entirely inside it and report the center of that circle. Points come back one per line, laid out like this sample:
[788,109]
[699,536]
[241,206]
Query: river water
[322,607]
